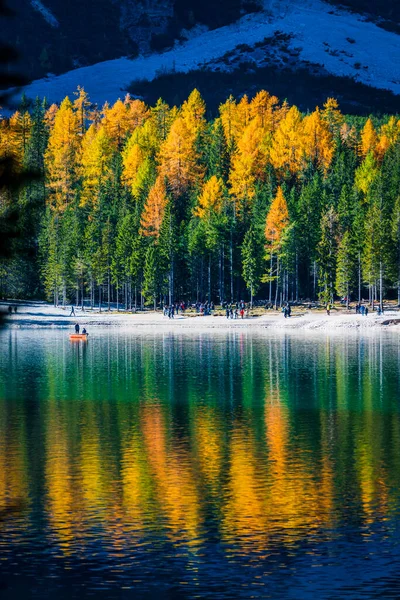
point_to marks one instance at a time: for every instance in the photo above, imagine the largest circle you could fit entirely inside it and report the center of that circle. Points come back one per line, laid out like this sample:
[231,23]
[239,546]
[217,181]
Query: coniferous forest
[139,205]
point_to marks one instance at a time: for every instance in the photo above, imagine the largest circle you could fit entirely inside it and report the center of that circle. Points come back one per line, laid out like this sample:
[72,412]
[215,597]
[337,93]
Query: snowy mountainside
[308,32]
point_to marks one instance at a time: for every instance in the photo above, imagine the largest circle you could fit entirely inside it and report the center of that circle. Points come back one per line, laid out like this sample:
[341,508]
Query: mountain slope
[316,36]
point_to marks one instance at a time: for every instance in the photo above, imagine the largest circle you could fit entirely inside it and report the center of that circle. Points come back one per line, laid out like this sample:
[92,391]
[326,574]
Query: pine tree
[252,260]
[346,267]
[327,256]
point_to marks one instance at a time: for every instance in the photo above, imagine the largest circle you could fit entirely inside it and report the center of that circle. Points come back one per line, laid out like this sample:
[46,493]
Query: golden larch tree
[263,108]
[96,154]
[137,112]
[234,118]
[178,158]
[248,165]
[318,142]
[211,199]
[369,138]
[388,135]
[277,219]
[116,122]
[154,209]
[82,105]
[286,152]
[62,153]
[332,116]
[193,111]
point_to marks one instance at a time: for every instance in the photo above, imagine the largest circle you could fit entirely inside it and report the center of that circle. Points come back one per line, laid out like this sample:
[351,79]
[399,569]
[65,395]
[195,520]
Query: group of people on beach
[233,311]
[169,310]
[11,309]
[361,310]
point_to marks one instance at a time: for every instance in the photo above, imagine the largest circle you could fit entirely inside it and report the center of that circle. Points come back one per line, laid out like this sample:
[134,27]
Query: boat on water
[78,336]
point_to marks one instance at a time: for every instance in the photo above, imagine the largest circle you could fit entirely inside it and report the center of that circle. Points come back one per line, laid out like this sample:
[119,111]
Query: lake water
[180,466]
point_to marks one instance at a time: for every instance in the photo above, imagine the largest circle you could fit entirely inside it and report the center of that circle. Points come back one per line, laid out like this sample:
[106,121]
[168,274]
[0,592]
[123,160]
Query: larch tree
[276,223]
[154,209]
[62,155]
[369,139]
[96,154]
[210,212]
[318,143]
[286,153]
[178,158]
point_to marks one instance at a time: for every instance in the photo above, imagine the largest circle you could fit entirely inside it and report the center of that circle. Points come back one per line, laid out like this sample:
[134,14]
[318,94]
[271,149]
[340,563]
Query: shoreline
[39,315]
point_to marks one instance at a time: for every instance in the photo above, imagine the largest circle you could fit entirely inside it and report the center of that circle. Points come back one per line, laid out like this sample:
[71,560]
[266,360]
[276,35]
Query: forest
[138,206]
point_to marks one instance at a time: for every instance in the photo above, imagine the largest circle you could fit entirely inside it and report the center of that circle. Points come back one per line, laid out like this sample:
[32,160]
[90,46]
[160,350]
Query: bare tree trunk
[108,291]
[315,280]
[277,282]
[381,286]
[270,280]
[359,278]
[209,277]
[100,297]
[231,266]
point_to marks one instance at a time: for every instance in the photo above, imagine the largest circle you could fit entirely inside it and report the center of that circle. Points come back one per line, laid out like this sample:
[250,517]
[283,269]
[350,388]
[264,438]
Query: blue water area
[222,465]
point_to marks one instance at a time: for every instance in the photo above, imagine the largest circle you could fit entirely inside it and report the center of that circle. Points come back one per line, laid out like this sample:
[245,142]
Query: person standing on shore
[72,313]
[77,328]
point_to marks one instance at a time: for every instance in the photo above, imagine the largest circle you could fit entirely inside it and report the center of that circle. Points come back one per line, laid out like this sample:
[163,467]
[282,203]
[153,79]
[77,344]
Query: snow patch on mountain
[45,12]
[341,43]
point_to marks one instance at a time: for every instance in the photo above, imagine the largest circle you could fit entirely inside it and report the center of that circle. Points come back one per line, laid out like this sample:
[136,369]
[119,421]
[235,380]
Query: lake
[212,465]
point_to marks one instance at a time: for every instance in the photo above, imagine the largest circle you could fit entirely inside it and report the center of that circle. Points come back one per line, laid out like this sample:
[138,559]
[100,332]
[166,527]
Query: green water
[199,466]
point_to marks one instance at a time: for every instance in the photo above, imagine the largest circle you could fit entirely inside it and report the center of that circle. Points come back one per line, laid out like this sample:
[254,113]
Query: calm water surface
[177,466]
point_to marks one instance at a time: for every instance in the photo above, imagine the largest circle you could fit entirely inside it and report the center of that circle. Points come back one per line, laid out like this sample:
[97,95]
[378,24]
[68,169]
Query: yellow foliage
[317,141]
[178,158]
[332,116]
[235,118]
[81,105]
[288,143]
[95,158]
[263,108]
[366,173]
[154,209]
[388,135]
[193,111]
[369,138]
[211,200]
[277,219]
[248,163]
[62,154]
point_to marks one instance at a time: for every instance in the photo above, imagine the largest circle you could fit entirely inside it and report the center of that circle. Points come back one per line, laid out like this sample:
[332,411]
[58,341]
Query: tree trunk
[108,291]
[209,277]
[381,286]
[359,278]
[315,280]
[277,282]
[77,293]
[231,265]
[270,280]
[100,298]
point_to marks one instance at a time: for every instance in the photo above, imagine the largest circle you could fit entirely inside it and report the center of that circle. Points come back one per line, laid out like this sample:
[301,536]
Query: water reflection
[227,457]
